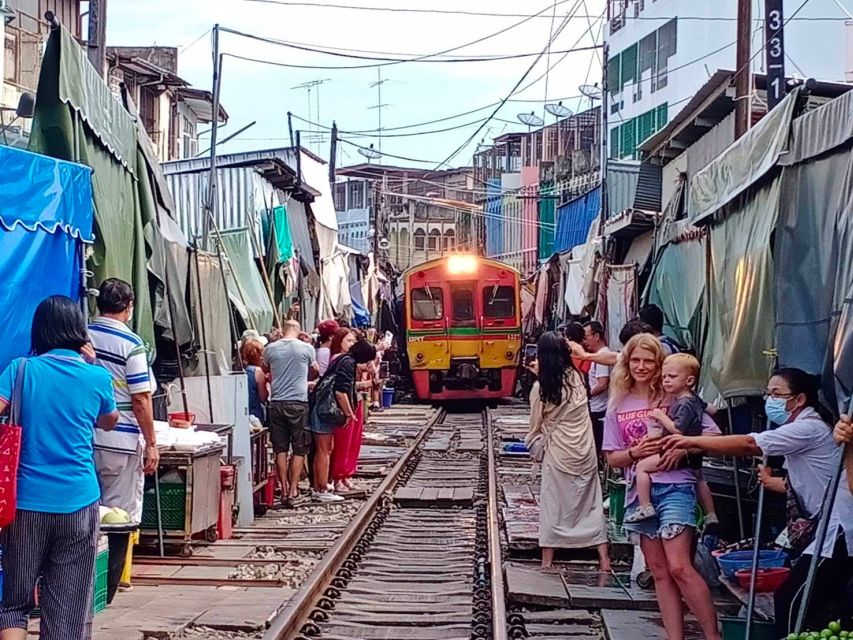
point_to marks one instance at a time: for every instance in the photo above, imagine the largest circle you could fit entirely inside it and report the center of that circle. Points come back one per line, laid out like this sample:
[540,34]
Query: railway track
[422,560]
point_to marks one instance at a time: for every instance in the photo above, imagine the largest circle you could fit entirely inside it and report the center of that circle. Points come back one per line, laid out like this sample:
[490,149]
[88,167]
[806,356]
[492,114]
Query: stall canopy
[45,217]
[246,288]
[78,118]
[814,283]
[574,219]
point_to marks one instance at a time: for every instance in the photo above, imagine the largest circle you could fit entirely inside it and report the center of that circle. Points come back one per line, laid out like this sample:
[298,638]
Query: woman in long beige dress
[571,515]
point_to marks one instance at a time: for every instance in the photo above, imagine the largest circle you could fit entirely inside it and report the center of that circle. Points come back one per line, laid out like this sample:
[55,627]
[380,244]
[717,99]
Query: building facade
[660,52]
[168,107]
[25,33]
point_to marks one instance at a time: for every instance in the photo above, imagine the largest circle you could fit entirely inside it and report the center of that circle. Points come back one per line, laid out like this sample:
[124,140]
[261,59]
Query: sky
[413,92]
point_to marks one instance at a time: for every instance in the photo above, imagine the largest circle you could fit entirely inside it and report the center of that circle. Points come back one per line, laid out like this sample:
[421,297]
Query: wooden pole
[743,76]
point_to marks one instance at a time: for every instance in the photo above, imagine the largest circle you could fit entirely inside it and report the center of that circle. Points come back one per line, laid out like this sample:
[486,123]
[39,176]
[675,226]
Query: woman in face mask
[804,438]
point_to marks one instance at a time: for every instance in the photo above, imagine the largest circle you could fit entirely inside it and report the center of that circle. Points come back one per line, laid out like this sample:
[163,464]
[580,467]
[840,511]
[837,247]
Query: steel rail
[288,621]
[496,574]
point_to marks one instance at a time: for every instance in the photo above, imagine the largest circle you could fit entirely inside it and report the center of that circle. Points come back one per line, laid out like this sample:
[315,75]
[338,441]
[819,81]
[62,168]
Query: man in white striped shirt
[120,457]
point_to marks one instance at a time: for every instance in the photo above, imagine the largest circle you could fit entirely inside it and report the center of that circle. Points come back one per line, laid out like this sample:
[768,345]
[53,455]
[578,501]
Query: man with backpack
[652,315]
[290,363]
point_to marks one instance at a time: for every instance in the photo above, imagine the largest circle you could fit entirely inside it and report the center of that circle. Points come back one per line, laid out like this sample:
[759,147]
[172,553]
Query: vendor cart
[189,486]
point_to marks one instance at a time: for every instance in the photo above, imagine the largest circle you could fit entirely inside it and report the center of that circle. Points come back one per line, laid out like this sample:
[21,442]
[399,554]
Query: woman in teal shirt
[55,532]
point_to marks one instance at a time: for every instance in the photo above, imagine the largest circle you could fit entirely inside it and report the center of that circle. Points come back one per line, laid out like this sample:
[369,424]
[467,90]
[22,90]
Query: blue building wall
[494,221]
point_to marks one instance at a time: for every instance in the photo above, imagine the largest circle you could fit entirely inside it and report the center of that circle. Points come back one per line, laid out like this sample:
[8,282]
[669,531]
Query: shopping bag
[10,452]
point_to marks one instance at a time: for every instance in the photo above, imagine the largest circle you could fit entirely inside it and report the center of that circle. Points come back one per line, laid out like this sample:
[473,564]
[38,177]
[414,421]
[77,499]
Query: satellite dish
[370,154]
[531,119]
[591,91]
[558,110]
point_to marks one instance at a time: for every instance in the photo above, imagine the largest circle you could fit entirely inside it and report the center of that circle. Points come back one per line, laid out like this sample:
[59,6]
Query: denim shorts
[316,426]
[675,507]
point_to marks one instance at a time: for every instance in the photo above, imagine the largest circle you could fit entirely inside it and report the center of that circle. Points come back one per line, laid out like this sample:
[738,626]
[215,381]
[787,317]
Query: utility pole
[211,183]
[96,46]
[333,154]
[743,77]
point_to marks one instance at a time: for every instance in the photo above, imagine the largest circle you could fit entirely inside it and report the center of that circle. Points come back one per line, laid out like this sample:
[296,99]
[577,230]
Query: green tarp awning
[246,287]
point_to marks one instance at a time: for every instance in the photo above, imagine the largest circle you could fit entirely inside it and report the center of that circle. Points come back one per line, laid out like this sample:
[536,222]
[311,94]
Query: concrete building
[169,108]
[25,33]
[522,178]
[422,214]
[660,52]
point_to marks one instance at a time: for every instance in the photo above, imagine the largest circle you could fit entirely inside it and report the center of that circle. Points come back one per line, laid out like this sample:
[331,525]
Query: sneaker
[299,500]
[124,587]
[327,496]
[642,513]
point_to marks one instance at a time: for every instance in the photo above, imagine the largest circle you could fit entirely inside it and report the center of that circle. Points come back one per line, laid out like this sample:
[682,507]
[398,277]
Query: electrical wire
[485,14]
[518,84]
[393,62]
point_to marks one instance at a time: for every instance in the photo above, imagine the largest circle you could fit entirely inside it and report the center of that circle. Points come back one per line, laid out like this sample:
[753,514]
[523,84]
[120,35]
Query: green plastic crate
[616,491]
[173,500]
[735,629]
[102,566]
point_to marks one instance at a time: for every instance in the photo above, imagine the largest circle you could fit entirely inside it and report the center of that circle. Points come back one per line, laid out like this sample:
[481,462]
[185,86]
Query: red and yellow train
[463,328]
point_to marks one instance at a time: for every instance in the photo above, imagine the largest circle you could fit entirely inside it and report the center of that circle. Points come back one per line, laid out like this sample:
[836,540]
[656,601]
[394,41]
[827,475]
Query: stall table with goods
[182,500]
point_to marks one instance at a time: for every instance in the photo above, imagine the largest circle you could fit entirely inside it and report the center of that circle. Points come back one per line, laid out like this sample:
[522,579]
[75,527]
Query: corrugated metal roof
[622,179]
[574,219]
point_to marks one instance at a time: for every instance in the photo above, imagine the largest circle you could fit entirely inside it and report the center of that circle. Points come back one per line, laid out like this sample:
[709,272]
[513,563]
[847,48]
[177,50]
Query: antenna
[310,86]
[370,154]
[531,119]
[378,106]
[558,110]
[591,91]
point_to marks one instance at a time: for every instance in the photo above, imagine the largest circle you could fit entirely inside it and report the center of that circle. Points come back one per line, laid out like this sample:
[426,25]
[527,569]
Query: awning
[743,163]
[640,250]
[246,288]
[574,219]
[45,216]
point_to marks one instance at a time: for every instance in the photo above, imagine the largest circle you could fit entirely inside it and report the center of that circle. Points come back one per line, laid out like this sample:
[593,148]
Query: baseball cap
[327,328]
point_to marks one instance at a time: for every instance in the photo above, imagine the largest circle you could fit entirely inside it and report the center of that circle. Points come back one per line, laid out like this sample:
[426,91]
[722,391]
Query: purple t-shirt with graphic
[627,423]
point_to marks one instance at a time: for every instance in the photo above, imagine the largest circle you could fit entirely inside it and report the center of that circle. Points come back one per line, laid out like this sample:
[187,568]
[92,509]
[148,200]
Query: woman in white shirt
[805,439]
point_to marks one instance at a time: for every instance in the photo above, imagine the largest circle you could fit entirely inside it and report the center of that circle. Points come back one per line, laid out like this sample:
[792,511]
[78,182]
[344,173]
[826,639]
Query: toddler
[679,374]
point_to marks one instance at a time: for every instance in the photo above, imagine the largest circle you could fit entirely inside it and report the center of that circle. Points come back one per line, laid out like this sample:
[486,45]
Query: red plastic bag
[10,453]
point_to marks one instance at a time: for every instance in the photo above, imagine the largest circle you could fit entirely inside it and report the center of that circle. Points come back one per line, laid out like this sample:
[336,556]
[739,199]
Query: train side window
[463,306]
[499,302]
[427,304]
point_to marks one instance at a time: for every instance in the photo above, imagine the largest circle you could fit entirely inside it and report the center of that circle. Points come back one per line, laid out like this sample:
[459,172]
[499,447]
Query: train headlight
[419,357]
[461,264]
[510,355]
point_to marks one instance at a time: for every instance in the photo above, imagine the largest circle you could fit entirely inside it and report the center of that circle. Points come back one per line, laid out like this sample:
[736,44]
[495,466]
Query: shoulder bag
[801,526]
[324,401]
[10,452]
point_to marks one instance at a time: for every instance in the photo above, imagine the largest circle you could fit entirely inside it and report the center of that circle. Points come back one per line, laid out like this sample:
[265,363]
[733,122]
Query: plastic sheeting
[677,286]
[574,220]
[45,215]
[743,163]
[814,269]
[621,298]
[246,287]
[741,316]
[215,327]
[77,118]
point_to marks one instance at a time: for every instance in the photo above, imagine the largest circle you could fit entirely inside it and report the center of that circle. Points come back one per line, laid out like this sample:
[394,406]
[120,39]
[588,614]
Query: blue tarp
[45,217]
[494,221]
[574,219]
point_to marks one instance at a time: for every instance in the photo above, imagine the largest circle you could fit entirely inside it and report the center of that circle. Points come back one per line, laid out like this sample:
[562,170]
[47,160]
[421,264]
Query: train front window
[427,304]
[499,302]
[463,307]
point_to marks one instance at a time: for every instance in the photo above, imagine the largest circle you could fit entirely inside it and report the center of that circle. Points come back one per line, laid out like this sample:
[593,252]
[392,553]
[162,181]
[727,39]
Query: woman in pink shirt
[667,538]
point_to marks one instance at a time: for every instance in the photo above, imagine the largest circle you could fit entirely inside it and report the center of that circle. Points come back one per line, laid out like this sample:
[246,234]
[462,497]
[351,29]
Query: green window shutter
[614,83]
[629,65]
[614,142]
[662,117]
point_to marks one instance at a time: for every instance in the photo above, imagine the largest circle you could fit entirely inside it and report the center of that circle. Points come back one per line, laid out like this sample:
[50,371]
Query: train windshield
[463,307]
[499,302]
[427,304]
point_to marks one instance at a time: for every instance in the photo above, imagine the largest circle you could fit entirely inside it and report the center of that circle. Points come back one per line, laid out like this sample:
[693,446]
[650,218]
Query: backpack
[322,400]
[672,344]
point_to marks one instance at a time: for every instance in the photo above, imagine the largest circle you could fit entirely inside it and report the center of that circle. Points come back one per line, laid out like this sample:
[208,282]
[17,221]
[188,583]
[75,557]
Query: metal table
[201,473]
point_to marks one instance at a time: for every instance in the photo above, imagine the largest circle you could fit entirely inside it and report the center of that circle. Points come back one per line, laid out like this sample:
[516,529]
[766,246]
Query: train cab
[463,328]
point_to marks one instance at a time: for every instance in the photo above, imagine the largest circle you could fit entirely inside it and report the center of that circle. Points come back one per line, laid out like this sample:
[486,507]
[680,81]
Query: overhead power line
[488,14]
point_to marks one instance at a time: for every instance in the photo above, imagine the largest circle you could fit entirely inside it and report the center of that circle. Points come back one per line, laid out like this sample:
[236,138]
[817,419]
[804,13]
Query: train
[462,320]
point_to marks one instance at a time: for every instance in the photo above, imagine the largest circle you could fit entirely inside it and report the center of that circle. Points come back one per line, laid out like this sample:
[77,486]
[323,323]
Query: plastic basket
[733,561]
[735,629]
[616,491]
[172,506]
[102,565]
